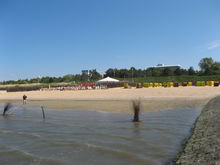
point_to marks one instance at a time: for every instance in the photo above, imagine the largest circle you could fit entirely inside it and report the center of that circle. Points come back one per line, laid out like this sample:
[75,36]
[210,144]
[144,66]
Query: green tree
[132,72]
[215,68]
[205,64]
[167,72]
[154,72]
[68,78]
[123,73]
[94,75]
[191,71]
[84,77]
[46,80]
[110,73]
[77,78]
[178,72]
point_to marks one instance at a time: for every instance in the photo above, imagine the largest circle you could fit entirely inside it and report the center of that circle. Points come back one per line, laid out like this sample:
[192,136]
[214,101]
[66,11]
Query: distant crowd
[70,88]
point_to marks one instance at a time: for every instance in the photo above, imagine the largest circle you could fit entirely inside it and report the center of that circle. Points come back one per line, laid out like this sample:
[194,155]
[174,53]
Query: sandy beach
[117,99]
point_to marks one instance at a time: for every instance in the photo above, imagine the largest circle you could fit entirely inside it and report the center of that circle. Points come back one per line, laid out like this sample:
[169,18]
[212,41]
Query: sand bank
[203,147]
[117,99]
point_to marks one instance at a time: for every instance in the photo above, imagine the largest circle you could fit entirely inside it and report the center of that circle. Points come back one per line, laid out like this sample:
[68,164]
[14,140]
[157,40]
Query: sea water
[68,137]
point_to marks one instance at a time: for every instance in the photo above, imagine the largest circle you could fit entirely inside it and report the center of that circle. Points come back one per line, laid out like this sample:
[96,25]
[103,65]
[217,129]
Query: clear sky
[58,37]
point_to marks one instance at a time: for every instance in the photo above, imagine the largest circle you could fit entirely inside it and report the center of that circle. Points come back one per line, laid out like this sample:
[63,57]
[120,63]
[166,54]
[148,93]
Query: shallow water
[91,137]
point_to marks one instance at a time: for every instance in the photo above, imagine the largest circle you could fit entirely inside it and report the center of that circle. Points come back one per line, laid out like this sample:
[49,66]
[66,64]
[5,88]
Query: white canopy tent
[108,79]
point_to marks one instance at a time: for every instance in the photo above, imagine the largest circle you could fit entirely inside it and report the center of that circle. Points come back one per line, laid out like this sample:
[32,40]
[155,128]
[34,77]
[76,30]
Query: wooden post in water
[136,109]
[42,108]
[6,108]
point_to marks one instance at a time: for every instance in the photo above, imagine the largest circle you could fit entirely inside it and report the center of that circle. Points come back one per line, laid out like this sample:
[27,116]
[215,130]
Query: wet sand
[117,99]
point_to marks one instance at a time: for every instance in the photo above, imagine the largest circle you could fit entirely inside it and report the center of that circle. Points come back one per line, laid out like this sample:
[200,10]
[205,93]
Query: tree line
[207,67]
[76,78]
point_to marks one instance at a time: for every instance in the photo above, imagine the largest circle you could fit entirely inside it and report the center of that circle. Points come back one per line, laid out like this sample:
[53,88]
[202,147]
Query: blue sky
[58,37]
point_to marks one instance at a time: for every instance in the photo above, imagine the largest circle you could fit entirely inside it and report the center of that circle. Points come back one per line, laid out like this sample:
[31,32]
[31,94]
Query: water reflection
[136,128]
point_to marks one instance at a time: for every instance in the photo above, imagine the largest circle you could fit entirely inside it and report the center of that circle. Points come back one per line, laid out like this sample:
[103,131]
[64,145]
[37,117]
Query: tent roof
[108,79]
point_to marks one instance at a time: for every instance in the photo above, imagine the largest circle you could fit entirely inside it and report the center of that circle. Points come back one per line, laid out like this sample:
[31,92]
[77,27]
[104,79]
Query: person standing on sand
[24,99]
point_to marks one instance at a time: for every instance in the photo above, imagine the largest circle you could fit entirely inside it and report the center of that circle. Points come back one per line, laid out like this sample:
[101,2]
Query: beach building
[86,72]
[163,66]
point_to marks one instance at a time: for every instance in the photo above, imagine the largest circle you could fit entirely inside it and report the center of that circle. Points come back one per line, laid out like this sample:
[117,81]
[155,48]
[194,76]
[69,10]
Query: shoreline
[117,99]
[202,147]
[120,106]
